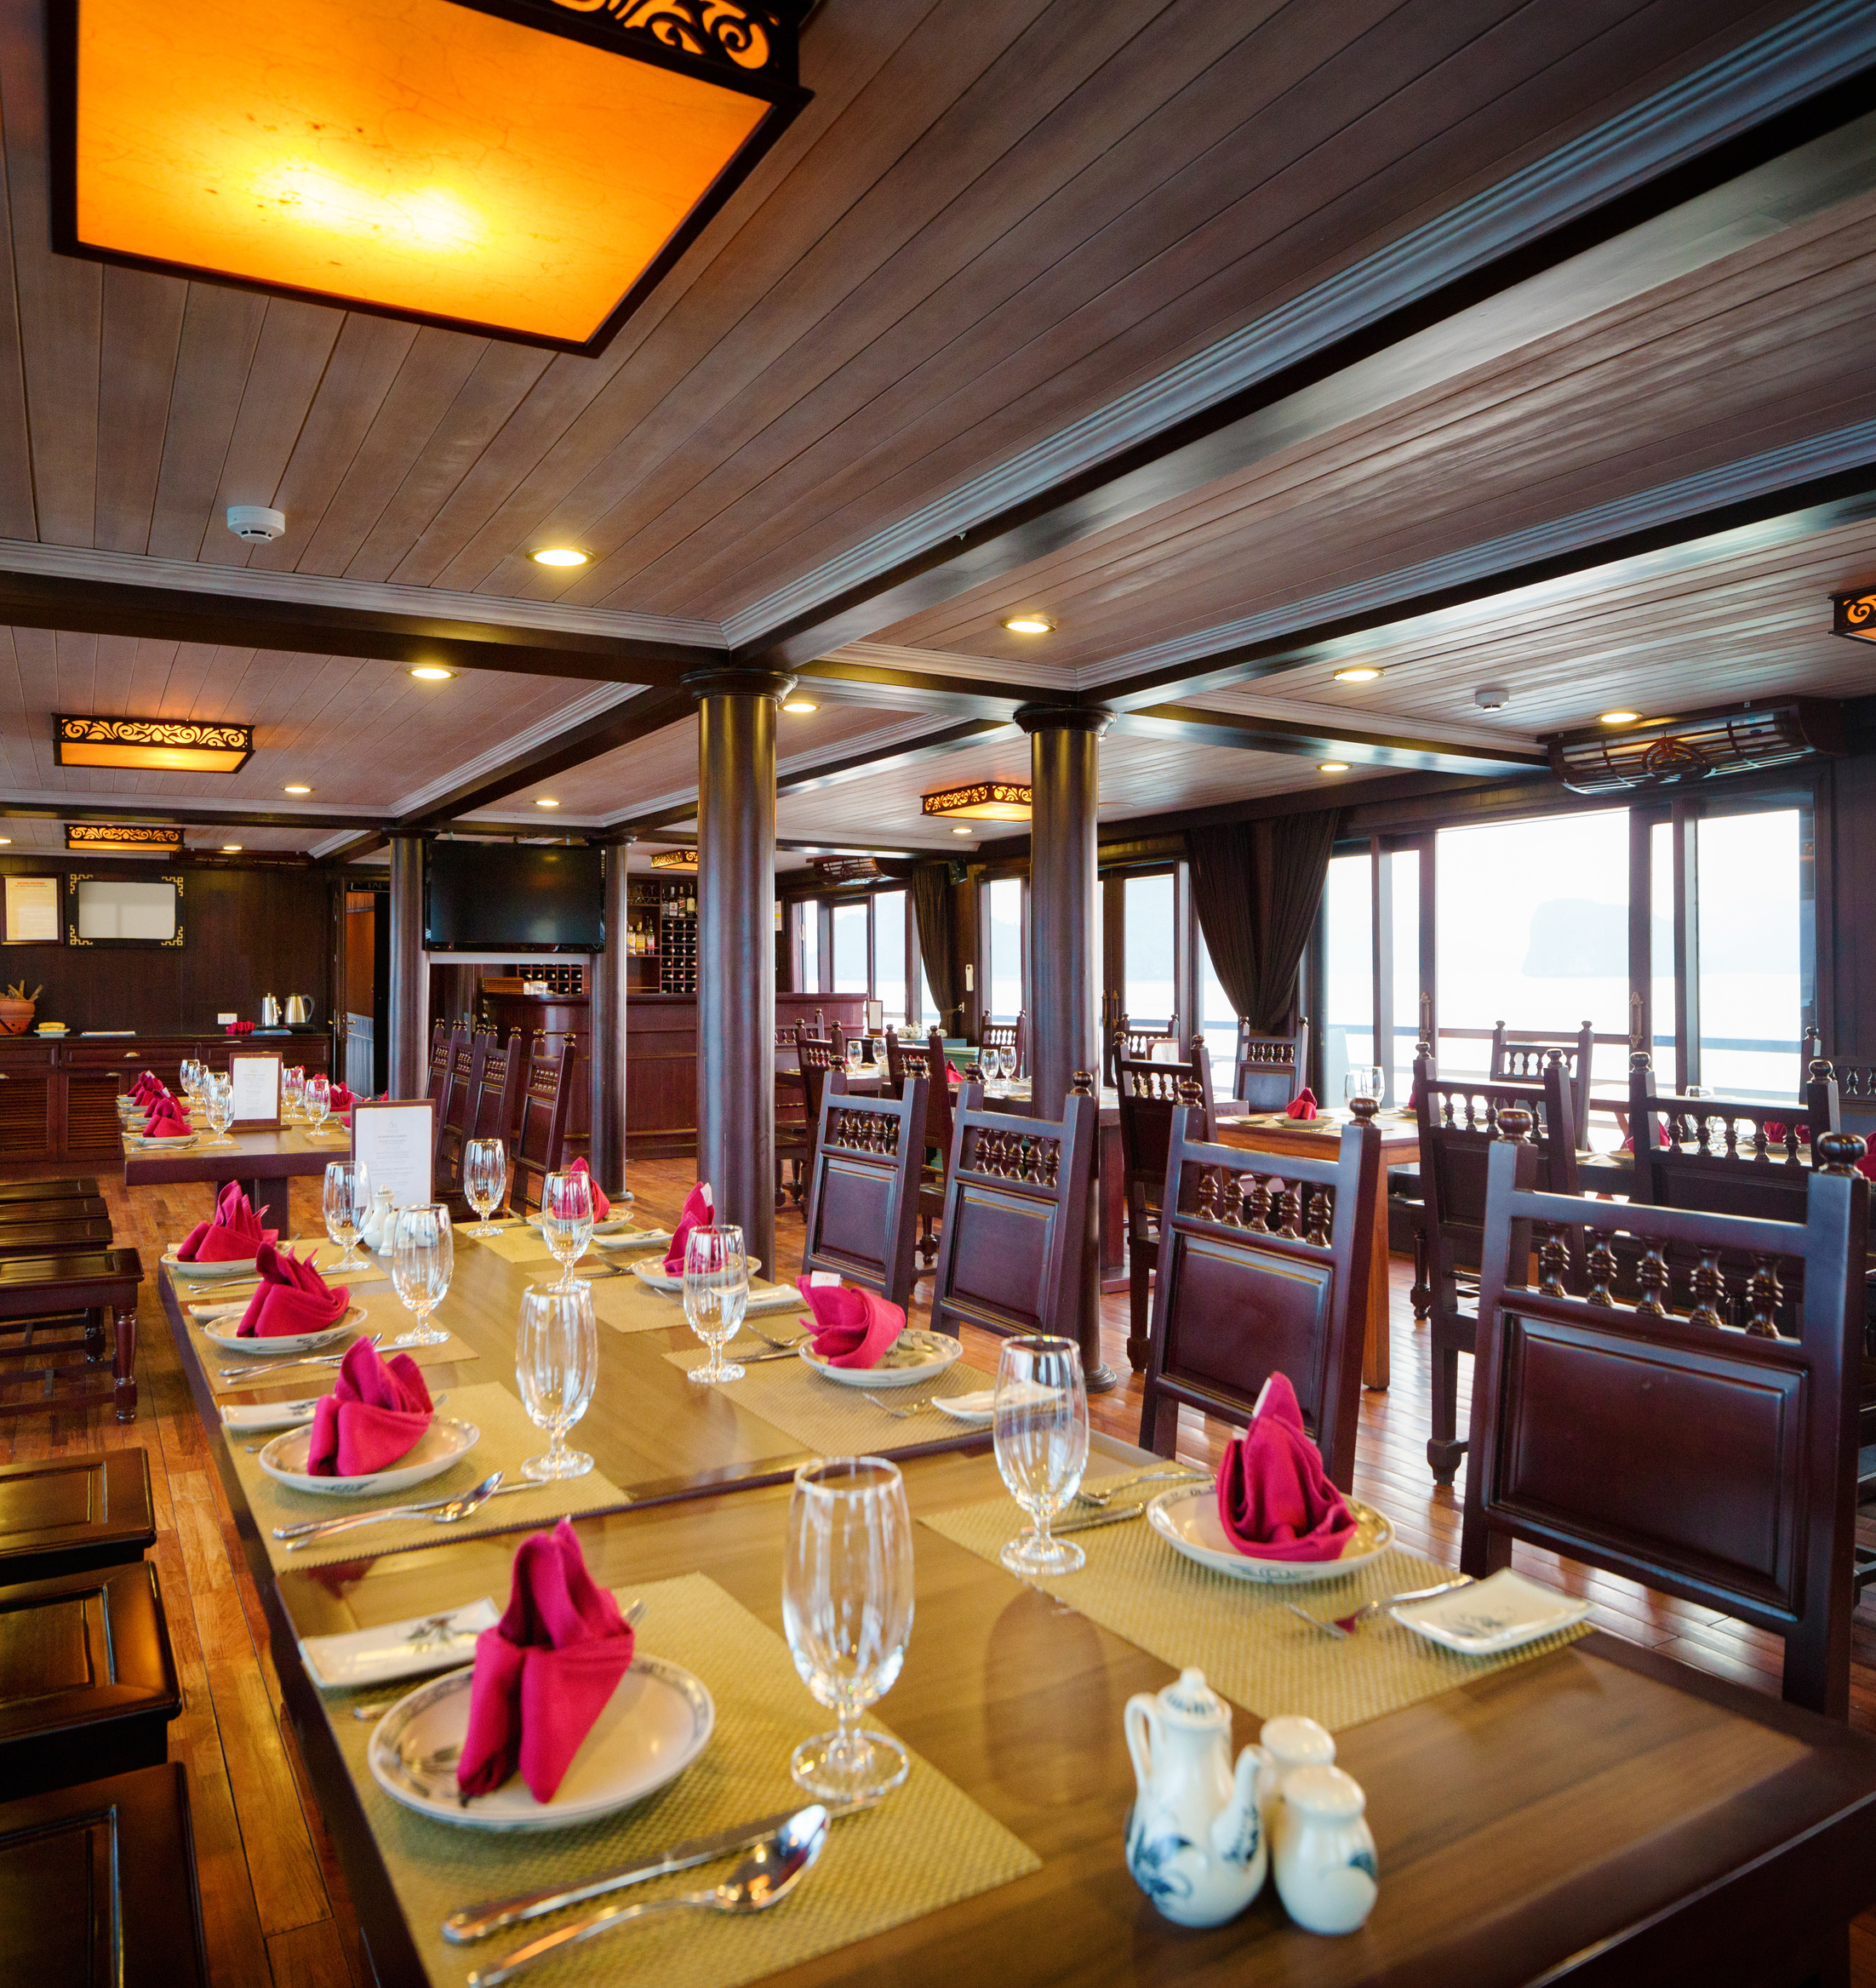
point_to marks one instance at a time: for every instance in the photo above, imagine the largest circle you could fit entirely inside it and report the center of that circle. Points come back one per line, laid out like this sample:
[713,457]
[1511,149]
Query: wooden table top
[288,1153]
[1276,1132]
[1602,1812]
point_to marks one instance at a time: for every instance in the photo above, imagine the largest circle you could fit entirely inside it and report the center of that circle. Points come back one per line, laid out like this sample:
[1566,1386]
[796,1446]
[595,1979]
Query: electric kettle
[270,1012]
[299,1010]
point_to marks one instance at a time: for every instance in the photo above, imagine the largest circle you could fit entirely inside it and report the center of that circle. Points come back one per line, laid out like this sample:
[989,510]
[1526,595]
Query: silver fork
[899,1411]
[1346,1626]
[306,1360]
[1108,1493]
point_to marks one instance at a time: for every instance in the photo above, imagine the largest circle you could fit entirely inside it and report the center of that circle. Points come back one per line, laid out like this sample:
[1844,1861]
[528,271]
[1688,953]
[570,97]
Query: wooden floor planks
[273,1898]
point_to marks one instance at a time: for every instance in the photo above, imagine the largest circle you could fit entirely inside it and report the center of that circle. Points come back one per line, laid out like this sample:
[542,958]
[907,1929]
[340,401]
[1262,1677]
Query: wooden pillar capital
[1063,718]
[770,683]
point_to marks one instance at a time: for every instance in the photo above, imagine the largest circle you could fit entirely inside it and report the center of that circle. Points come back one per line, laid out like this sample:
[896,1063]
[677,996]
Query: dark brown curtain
[1257,886]
[930,889]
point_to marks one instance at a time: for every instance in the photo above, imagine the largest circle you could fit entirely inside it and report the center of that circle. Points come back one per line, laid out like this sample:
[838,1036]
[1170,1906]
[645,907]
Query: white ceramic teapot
[380,1223]
[1195,1840]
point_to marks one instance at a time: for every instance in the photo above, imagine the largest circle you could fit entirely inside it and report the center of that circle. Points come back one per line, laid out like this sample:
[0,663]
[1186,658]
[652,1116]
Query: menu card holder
[395,1140]
[254,1078]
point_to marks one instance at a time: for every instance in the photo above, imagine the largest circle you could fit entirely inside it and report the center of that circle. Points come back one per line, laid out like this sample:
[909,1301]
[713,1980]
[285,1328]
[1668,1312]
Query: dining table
[1592,1812]
[264,1160]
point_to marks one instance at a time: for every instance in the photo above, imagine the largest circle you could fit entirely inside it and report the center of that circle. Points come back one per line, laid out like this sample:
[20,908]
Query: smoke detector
[255,523]
[1492,697]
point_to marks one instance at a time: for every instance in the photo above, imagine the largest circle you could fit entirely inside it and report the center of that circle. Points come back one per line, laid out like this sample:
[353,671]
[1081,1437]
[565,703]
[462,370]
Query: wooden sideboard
[59,1096]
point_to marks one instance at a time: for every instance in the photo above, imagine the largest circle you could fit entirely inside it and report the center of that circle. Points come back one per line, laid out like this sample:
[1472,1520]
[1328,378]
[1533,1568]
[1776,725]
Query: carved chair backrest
[1150,1093]
[863,1196]
[1269,1071]
[906,1061]
[544,1102]
[499,1101]
[1009,1035]
[1522,1055]
[443,1041]
[461,1092]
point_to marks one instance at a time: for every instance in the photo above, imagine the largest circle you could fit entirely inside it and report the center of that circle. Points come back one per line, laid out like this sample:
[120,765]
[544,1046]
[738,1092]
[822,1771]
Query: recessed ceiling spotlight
[1029,625]
[800,706]
[1361,673]
[6,842]
[1619,717]
[963,831]
[432,673]
[1333,766]
[296,788]
[558,556]
[546,800]
[231,848]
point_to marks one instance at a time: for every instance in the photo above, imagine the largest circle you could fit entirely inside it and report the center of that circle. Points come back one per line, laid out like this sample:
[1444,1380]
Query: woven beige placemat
[506,1439]
[926,1846]
[387,1316]
[1240,1633]
[833,1421]
[628,1304]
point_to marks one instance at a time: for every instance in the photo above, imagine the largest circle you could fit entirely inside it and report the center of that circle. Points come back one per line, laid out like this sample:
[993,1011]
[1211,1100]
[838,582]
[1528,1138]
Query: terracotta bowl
[15,1014]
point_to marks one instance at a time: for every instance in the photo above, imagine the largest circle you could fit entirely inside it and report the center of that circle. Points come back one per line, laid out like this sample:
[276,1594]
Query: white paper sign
[32,911]
[254,1080]
[395,1140]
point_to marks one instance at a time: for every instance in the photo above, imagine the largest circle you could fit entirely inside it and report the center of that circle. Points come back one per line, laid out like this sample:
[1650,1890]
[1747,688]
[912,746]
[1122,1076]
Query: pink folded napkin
[165,1120]
[292,1298]
[952,1074]
[545,1672]
[854,1327]
[240,1028]
[231,1235]
[700,1211]
[1303,1105]
[147,1088]
[1273,1500]
[377,1411]
[601,1207]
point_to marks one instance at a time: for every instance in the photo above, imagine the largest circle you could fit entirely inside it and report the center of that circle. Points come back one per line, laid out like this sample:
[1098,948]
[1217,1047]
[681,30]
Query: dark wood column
[409,991]
[736,948]
[1065,974]
[606,1014]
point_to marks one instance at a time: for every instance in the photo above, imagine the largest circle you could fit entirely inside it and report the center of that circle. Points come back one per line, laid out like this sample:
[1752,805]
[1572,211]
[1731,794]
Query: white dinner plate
[1187,1518]
[286,1343]
[982,1405]
[160,1145]
[442,1443]
[1503,1612]
[633,1239]
[396,1649]
[657,1722]
[660,1279]
[914,1355]
[238,1266]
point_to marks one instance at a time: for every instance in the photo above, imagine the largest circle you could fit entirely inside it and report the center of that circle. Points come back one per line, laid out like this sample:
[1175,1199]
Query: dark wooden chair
[1265,1260]
[1150,1093]
[794,1136]
[98,1645]
[68,1514]
[494,1109]
[1269,1071]
[41,1293]
[443,1039]
[1139,1042]
[541,1143]
[863,1196]
[71,1185]
[925,1062]
[1705,1459]
[1459,1122]
[46,1237]
[116,1857]
[1003,1035]
[1522,1055]
[1015,1216]
[17,1214]
[461,1094]
[1723,1155]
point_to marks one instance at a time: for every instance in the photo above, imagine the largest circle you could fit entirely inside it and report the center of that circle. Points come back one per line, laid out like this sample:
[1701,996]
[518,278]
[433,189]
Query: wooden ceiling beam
[1356,744]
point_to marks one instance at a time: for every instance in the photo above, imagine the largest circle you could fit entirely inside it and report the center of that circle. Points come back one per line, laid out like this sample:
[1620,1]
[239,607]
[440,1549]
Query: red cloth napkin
[700,1211]
[601,1207]
[1273,1500]
[1303,1105]
[293,1297]
[376,1414]
[854,1327]
[147,1087]
[545,1672]
[166,1120]
[231,1235]
[240,1028]
[952,1074]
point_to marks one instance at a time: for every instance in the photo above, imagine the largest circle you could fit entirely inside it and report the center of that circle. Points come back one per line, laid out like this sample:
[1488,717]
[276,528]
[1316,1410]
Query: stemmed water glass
[484,1177]
[556,1362]
[218,1092]
[716,1296]
[1040,1431]
[318,1099]
[292,1086]
[345,1197]
[847,1606]
[189,1077]
[423,1257]
[1363,1080]
[566,1218]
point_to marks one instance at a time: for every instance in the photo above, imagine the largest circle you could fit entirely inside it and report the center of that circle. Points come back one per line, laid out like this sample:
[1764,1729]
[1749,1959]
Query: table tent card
[254,1078]
[395,1139]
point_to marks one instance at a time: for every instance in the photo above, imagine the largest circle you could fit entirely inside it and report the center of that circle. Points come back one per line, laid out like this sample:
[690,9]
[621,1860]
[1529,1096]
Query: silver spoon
[443,1514]
[1108,1493]
[763,1878]
[307,1360]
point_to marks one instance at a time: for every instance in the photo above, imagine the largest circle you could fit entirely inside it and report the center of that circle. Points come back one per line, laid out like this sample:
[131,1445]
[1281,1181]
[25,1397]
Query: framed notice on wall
[254,1078]
[395,1139]
[32,911]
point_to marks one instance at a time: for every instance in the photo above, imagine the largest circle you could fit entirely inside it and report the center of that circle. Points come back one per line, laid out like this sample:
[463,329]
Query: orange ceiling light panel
[528,169]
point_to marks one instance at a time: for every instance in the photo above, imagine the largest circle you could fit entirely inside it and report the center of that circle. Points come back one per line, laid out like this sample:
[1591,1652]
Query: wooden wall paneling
[361,944]
[1852,829]
[661,1076]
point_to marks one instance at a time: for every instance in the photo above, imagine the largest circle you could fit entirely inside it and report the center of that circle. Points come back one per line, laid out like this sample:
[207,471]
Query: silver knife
[478,1921]
[307,1526]
[1109,1518]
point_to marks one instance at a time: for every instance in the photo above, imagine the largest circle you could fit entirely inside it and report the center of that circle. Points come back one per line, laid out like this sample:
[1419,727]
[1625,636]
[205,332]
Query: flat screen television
[487,897]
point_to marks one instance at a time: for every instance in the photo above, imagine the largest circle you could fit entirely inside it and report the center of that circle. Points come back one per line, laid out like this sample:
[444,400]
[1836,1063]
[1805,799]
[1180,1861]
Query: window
[1002,902]
[807,940]
[1348,1005]
[1751,997]
[1217,1019]
[889,952]
[851,964]
[1149,930]
[1400,869]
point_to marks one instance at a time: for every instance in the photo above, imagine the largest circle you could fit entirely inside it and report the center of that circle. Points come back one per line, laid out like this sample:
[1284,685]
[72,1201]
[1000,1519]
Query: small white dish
[610,1226]
[1503,1612]
[633,1239]
[661,1279]
[1187,1518]
[286,1343]
[444,1442]
[396,1649]
[251,1418]
[914,1355]
[982,1405]
[206,1273]
[654,1725]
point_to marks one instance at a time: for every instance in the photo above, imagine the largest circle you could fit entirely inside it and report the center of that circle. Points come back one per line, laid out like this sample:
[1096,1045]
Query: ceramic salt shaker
[1323,1855]
[1291,1742]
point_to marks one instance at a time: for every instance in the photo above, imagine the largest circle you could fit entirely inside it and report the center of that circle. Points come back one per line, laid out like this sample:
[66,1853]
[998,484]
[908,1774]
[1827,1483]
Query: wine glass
[292,1086]
[423,1256]
[484,1177]
[318,1100]
[219,1092]
[716,1295]
[189,1077]
[1363,1080]
[847,1606]
[346,1195]
[1040,1431]
[566,1218]
[556,1361]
